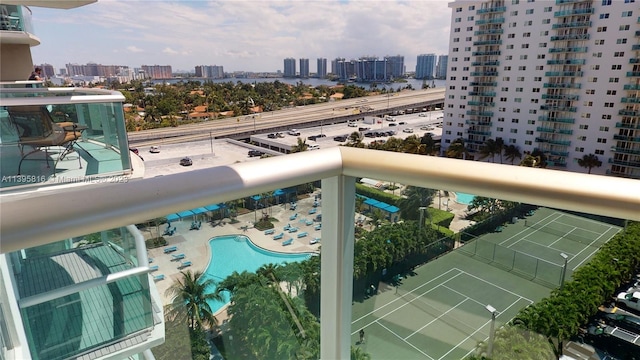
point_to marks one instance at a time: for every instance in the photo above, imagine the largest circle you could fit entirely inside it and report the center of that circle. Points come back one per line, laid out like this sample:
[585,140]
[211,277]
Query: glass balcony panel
[16,18]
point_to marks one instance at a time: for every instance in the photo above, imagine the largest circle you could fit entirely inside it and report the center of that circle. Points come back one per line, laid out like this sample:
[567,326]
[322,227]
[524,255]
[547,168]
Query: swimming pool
[462,198]
[231,253]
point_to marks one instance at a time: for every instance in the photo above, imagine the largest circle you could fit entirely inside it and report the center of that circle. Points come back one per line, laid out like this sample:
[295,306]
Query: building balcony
[478,132]
[484,83]
[498,20]
[553,142]
[487,42]
[484,73]
[570,37]
[495,9]
[482,93]
[488,32]
[575,24]
[569,50]
[631,87]
[554,131]
[481,103]
[625,173]
[573,12]
[624,150]
[570,97]
[478,123]
[556,119]
[633,73]
[479,113]
[486,53]
[627,138]
[565,2]
[15,18]
[562,86]
[62,135]
[563,73]
[625,125]
[637,33]
[337,169]
[635,164]
[558,108]
[630,100]
[635,47]
[629,112]
[486,63]
[634,60]
[566,62]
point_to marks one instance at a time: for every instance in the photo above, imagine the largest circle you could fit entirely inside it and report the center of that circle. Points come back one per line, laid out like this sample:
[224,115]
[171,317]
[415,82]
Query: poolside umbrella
[186,213]
[172,217]
[198,211]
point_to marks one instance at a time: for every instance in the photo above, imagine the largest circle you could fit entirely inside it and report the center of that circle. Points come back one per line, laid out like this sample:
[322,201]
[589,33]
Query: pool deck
[194,244]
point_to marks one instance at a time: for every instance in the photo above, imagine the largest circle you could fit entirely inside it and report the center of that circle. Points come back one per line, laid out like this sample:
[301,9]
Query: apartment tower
[321,71]
[560,78]
[304,68]
[289,67]
[425,66]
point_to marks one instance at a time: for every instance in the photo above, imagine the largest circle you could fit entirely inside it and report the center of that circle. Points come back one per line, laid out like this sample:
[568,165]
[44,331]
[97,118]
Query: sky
[239,35]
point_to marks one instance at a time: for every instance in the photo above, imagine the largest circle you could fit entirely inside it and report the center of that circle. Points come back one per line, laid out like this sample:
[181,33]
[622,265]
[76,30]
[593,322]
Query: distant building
[426,66]
[208,71]
[374,69]
[47,70]
[441,68]
[304,68]
[289,67]
[321,71]
[158,71]
[395,66]
[345,69]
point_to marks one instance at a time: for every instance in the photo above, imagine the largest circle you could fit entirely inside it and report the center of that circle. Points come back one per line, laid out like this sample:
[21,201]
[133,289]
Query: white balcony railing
[50,214]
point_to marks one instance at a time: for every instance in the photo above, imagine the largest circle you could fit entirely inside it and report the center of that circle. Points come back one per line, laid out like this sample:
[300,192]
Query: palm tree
[457,149]
[430,146]
[489,149]
[512,152]
[416,197]
[515,342]
[499,147]
[190,294]
[589,161]
[355,140]
[300,146]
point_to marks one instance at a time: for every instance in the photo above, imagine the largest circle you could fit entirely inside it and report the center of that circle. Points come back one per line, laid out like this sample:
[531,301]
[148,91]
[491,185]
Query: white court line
[544,246]
[583,229]
[492,284]
[485,324]
[436,319]
[596,250]
[527,229]
[562,237]
[391,302]
[410,344]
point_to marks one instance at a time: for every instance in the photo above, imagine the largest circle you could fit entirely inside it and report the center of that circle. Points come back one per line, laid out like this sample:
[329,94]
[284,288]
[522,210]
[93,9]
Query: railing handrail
[60,212]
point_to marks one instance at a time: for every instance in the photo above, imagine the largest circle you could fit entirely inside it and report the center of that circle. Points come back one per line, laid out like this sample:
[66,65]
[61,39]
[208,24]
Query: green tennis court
[439,311]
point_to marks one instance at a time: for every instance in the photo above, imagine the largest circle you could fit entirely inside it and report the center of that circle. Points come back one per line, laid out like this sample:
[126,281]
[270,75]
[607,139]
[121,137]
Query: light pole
[493,312]
[422,209]
[564,269]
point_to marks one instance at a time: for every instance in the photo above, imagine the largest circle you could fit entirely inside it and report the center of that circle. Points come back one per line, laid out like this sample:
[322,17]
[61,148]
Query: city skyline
[228,34]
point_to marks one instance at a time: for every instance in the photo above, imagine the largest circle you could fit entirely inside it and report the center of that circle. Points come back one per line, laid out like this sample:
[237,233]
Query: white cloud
[241,35]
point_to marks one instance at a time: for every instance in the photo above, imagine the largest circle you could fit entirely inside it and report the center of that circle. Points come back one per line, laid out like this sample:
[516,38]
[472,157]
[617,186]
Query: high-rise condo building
[304,68]
[425,66]
[557,78]
[321,71]
[158,71]
[289,67]
[441,68]
[208,71]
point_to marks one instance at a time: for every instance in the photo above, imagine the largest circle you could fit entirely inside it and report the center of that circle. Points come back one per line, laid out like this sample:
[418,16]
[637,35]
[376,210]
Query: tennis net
[569,232]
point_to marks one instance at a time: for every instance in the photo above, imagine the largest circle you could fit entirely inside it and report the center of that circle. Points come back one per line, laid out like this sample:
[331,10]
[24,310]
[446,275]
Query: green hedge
[377,194]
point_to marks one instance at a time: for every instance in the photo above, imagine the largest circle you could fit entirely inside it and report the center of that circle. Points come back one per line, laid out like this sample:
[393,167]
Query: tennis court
[439,311]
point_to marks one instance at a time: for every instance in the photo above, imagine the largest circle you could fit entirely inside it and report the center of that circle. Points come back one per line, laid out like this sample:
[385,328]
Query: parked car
[422,115]
[315,137]
[293,132]
[427,127]
[629,300]
[408,130]
[154,149]
[313,147]
[402,123]
[393,124]
[628,322]
[135,151]
[340,138]
[352,124]
[253,153]
[370,134]
[186,161]
[363,128]
[272,136]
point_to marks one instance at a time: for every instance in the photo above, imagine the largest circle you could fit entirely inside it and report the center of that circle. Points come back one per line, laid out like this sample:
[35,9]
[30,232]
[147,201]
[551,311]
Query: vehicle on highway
[135,151]
[393,124]
[370,134]
[407,130]
[315,137]
[427,127]
[629,300]
[154,149]
[254,153]
[313,147]
[389,118]
[422,115]
[293,132]
[363,128]
[186,161]
[340,138]
[402,123]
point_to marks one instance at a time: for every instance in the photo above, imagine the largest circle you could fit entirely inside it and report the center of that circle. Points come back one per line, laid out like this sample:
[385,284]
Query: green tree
[514,342]
[589,161]
[416,197]
[190,294]
[300,146]
[489,149]
[355,140]
[457,149]
[511,152]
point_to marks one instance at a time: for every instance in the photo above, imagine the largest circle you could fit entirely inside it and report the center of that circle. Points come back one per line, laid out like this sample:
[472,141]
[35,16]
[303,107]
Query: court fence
[527,266]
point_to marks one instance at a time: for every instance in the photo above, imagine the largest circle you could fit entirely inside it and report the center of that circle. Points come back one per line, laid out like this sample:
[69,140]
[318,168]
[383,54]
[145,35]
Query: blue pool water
[463,198]
[237,253]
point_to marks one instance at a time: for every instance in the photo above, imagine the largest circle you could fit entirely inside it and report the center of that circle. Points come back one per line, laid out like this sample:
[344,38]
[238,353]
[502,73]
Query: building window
[599,42]
[606,2]
[517,100]
[579,149]
[546,21]
[541,56]
[470,28]
[515,121]
[602,140]
[542,45]
[526,35]
[611,92]
[606,117]
[627,13]
[529,11]
[614,80]
[537,78]
[528,23]
[608,104]
[522,68]
[460,19]
[533,111]
[520,78]
[604,128]
[548,9]
[588,103]
[456,40]
[582,138]
[510,46]
[598,54]
[621,41]
[529,132]
[456,30]
[459,9]
[528,142]
[469,38]
[470,18]
[513,131]
[590,91]
[602,28]
[592,79]
[624,27]
[604,16]
[518,90]
[514,13]
[507,68]
[584,127]
[535,90]
[599,152]
[525,46]
[508,57]
[511,36]
[539,67]
[499,129]
[595,67]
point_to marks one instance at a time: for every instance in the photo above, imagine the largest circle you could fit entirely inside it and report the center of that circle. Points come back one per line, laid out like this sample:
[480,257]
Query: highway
[298,117]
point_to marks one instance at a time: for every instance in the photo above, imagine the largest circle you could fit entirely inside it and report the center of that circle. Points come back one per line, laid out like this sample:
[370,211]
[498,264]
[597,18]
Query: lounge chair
[279,236]
[318,227]
[195,225]
[170,231]
[154,268]
[269,232]
[170,249]
[313,211]
[158,277]
[287,227]
[309,222]
[302,234]
[293,229]
[287,242]
[293,217]
[177,257]
[150,260]
[314,241]
[499,228]
[184,264]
